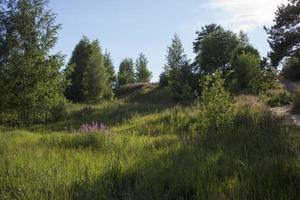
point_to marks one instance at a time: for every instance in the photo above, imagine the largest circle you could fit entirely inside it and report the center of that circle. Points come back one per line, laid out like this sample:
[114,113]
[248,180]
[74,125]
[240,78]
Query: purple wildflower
[92,127]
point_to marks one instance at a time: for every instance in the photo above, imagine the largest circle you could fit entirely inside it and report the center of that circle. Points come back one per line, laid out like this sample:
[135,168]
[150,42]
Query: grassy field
[151,152]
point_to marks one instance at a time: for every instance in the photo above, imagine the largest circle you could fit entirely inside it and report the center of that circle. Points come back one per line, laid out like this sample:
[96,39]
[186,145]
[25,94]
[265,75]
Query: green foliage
[143,75]
[88,73]
[153,155]
[285,33]
[247,74]
[177,71]
[296,103]
[126,72]
[215,104]
[163,79]
[205,31]
[216,50]
[276,98]
[291,69]
[30,79]
[96,85]
[110,69]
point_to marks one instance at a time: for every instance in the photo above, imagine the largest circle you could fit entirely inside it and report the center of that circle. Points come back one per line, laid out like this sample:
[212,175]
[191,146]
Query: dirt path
[285,113]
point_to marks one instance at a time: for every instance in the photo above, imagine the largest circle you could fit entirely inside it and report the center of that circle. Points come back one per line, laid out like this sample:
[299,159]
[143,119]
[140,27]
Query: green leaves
[126,72]
[142,73]
[31,83]
[89,73]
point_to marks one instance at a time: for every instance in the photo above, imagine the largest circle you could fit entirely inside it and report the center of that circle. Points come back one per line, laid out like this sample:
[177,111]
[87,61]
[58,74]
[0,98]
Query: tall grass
[152,155]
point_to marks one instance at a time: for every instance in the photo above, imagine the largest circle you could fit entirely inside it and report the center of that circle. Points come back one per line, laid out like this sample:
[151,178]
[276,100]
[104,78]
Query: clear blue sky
[128,27]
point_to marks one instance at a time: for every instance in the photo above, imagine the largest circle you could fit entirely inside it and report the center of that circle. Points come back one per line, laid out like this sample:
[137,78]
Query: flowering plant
[92,127]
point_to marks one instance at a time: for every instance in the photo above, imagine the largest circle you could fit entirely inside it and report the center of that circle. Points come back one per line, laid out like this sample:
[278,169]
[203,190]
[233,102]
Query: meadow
[150,151]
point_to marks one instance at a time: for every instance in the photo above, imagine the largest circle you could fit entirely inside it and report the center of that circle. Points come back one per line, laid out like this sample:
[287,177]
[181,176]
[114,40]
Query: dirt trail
[285,113]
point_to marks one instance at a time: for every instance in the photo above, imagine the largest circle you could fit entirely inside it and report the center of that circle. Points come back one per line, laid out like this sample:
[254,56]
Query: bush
[291,69]
[247,75]
[59,112]
[296,103]
[215,104]
[277,97]
[163,80]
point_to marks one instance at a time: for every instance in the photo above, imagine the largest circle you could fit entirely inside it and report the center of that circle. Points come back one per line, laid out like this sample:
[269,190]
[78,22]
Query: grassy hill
[151,151]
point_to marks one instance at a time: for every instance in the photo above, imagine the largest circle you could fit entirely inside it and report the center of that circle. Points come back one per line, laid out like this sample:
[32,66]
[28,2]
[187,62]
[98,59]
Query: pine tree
[176,62]
[110,69]
[88,75]
[75,70]
[142,72]
[126,73]
[96,85]
[284,35]
[30,79]
[216,50]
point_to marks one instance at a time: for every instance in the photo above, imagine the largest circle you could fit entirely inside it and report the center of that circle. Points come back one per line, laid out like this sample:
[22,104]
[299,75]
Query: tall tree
[126,73]
[216,50]
[30,79]
[205,31]
[177,63]
[142,72]
[284,35]
[96,85]
[87,73]
[76,67]
[110,69]
[247,74]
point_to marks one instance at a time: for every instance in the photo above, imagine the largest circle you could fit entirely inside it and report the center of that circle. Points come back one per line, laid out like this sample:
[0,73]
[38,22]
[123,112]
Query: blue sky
[128,27]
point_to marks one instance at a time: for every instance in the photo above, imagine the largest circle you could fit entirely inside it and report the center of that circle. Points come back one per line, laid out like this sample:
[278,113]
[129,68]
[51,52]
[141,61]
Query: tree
[126,73]
[247,74]
[96,85]
[30,79]
[110,69]
[243,38]
[205,31]
[87,73]
[284,35]
[142,72]
[176,63]
[240,50]
[291,69]
[75,69]
[215,104]
[216,50]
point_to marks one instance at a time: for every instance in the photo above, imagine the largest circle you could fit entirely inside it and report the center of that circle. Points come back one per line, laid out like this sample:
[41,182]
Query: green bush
[291,69]
[246,76]
[277,97]
[296,103]
[215,104]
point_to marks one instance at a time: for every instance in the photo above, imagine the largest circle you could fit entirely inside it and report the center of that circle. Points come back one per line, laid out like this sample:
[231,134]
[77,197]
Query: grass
[150,153]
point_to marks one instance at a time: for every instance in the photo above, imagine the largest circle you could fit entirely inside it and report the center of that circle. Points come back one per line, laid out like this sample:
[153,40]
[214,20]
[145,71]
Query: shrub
[163,80]
[277,97]
[59,112]
[215,104]
[296,103]
[247,75]
[291,69]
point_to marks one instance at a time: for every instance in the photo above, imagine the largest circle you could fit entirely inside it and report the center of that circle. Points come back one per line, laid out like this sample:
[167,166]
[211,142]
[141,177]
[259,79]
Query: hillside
[150,151]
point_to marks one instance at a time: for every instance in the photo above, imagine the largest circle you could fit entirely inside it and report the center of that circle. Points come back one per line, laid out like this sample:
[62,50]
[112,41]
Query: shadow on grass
[251,161]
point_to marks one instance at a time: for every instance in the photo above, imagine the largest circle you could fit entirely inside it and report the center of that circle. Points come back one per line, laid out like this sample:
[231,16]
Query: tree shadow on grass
[251,161]
[110,116]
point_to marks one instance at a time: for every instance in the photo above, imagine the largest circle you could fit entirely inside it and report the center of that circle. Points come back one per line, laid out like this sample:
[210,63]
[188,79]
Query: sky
[128,27]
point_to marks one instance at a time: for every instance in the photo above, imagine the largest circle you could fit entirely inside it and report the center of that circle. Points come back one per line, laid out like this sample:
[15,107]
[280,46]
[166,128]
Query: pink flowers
[92,127]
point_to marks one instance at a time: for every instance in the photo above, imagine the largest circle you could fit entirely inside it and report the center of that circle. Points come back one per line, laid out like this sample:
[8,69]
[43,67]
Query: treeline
[91,77]
[35,89]
[242,67]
